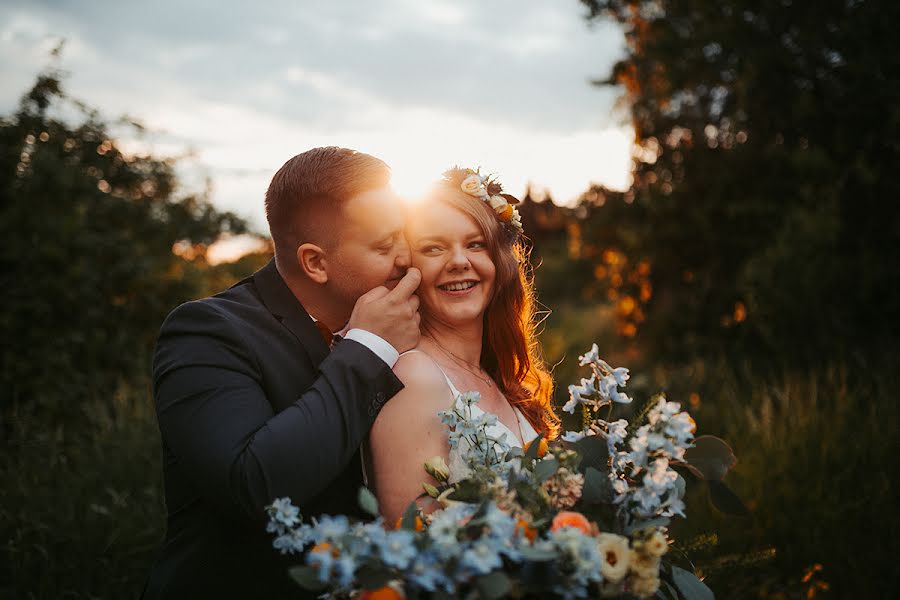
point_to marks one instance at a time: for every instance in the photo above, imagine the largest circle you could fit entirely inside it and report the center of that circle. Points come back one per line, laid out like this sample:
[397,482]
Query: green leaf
[726,500]
[372,577]
[711,456]
[467,490]
[594,453]
[530,553]
[690,587]
[533,447]
[651,524]
[367,501]
[597,488]
[545,469]
[514,452]
[493,585]
[306,576]
[409,517]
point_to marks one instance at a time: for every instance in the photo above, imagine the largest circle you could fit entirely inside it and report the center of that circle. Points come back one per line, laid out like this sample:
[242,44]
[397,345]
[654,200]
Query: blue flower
[426,571]
[346,569]
[480,558]
[330,528]
[398,549]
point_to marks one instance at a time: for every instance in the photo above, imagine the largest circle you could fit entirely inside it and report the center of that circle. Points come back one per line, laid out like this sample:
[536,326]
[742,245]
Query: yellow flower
[644,587]
[644,565]
[615,556]
[507,213]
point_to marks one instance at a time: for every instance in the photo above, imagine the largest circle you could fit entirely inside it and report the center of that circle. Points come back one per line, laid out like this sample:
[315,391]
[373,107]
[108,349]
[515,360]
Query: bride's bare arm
[408,432]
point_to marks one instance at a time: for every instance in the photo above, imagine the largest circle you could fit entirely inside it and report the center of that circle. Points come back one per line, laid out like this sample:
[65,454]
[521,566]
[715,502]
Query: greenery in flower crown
[584,516]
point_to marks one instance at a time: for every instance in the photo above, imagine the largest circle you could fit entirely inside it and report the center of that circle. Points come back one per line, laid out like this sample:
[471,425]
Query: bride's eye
[477,245]
[430,249]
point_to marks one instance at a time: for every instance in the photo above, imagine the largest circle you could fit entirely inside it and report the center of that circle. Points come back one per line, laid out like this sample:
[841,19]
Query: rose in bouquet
[583,516]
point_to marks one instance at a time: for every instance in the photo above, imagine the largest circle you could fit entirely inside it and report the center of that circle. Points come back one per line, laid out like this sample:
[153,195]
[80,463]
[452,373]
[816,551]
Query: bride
[477,308]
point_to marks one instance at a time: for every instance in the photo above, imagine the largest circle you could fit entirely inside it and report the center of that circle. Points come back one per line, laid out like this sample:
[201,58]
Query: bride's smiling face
[458,274]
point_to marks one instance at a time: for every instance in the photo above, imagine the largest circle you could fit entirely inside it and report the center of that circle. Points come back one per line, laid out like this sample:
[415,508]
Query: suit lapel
[282,303]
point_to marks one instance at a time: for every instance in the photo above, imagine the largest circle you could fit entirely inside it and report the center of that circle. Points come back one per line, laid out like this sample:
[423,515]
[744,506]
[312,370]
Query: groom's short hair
[305,197]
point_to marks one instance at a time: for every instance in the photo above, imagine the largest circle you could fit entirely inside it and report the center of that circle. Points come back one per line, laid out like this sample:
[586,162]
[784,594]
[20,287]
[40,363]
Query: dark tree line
[766,191]
[86,254]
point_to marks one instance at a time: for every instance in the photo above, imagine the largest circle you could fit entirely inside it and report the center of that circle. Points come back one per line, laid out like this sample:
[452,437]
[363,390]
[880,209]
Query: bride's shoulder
[416,368]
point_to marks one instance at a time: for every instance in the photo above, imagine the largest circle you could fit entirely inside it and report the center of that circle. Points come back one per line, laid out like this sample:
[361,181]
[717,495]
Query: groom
[255,401]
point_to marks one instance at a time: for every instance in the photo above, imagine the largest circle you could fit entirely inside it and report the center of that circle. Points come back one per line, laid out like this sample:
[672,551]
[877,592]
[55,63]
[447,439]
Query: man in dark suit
[252,400]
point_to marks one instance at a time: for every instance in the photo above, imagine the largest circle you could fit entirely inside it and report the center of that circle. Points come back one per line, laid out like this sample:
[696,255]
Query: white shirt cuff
[376,344]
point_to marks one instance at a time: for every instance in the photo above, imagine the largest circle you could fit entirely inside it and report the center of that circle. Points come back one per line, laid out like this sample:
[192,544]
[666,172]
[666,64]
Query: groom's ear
[311,259]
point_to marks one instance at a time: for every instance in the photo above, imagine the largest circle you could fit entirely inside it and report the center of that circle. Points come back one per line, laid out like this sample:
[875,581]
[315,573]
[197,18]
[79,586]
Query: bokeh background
[711,190]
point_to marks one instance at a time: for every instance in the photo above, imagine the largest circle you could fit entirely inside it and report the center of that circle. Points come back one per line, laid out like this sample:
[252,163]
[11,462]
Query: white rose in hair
[473,185]
[498,202]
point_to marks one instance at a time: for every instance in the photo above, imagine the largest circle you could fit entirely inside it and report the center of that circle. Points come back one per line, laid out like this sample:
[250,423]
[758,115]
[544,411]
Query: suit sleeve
[215,418]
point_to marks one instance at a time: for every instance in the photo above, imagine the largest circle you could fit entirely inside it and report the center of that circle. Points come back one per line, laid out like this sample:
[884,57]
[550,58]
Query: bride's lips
[458,288]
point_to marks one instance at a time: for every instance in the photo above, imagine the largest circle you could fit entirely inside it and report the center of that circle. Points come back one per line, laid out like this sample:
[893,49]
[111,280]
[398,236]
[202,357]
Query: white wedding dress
[457,465]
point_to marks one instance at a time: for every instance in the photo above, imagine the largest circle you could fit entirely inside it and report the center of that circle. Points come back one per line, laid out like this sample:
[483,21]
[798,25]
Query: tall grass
[81,508]
[815,451]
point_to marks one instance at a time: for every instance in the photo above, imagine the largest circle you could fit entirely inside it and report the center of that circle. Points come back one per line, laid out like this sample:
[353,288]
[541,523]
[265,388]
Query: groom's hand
[393,314]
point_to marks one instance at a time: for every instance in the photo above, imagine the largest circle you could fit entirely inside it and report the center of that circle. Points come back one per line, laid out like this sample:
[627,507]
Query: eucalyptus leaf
[494,585]
[690,587]
[544,469]
[307,577]
[711,456]
[533,448]
[726,500]
[530,553]
[409,517]
[367,501]
[594,453]
[649,524]
[373,578]
[597,488]
[514,452]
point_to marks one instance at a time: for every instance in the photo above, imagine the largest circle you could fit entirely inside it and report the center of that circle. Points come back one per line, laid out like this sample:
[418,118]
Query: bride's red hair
[510,351]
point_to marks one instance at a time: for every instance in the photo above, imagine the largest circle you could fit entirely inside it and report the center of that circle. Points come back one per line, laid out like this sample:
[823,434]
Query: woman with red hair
[478,334]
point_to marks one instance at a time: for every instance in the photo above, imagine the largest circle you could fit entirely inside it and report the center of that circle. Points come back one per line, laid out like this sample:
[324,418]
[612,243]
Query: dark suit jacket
[252,407]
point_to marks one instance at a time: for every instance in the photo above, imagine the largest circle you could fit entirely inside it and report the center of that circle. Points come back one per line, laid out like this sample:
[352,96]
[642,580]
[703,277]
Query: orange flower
[568,518]
[384,593]
[507,213]
[325,547]
[526,530]
[420,526]
[543,447]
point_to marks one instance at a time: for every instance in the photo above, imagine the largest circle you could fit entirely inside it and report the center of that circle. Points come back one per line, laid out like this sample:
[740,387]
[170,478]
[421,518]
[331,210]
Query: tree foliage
[87,233]
[768,147]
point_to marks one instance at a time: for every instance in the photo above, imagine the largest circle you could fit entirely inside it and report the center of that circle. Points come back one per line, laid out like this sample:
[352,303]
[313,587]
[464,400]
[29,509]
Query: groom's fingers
[406,286]
[414,302]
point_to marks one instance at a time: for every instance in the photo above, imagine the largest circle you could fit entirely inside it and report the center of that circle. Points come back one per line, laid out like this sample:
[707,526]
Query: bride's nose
[458,260]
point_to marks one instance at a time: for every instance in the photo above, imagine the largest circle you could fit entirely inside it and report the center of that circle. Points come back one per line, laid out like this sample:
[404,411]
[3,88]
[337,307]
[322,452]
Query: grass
[81,509]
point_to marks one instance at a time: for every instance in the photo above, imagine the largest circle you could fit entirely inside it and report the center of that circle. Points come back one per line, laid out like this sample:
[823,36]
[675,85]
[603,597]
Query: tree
[87,234]
[765,184]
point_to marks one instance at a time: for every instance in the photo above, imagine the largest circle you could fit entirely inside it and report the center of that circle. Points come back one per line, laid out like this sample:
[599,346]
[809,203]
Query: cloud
[424,84]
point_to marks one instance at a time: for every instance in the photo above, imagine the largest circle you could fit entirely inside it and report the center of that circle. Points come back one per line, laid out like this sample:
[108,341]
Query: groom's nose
[403,259]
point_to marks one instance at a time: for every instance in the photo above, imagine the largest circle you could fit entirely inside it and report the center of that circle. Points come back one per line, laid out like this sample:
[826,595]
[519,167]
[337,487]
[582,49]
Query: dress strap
[452,387]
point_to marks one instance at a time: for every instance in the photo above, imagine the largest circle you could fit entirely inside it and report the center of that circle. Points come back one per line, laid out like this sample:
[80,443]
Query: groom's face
[370,249]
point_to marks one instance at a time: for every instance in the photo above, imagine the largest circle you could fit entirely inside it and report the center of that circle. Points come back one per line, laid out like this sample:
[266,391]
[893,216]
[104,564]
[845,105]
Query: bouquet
[584,516]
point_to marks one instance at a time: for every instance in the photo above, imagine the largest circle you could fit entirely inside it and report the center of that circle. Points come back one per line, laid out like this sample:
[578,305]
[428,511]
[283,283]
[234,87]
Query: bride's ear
[313,263]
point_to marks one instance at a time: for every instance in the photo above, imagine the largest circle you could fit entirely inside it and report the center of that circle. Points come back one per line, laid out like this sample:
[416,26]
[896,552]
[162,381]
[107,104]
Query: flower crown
[487,189]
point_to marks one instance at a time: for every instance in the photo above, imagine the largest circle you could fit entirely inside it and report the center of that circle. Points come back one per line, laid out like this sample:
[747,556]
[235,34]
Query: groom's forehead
[375,212]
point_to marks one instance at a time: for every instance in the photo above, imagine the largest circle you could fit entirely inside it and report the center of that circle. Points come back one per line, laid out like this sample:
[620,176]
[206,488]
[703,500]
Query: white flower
[615,434]
[589,357]
[614,554]
[437,468]
[498,203]
[621,375]
[574,436]
[473,185]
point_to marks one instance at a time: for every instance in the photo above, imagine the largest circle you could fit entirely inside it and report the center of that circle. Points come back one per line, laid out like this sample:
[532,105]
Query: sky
[241,87]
